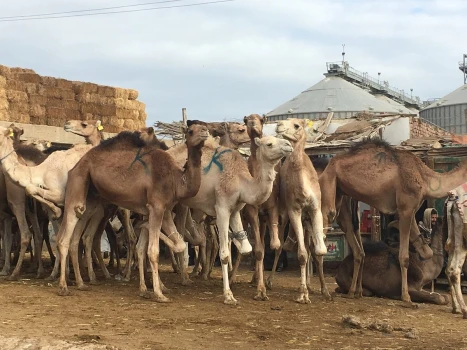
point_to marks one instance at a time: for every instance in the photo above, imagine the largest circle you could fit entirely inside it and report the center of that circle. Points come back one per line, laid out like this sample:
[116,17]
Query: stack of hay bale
[26,97]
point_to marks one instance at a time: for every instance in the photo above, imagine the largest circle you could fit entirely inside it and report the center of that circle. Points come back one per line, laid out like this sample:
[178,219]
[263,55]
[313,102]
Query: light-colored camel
[391,181]
[260,216]
[227,185]
[455,218]
[299,197]
[381,271]
[141,178]
[15,196]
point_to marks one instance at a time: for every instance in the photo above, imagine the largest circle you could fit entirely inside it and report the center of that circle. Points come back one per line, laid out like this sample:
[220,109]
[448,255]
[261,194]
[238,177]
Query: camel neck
[296,157]
[94,139]
[18,172]
[190,179]
[225,141]
[253,160]
[260,187]
[439,184]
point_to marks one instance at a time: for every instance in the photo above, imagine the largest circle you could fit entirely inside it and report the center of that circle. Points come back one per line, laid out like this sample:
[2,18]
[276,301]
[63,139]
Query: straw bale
[130,124]
[132,94]
[28,77]
[106,91]
[55,121]
[16,96]
[18,117]
[2,82]
[39,120]
[128,104]
[143,116]
[64,84]
[127,114]
[112,128]
[3,101]
[36,111]
[68,104]
[15,85]
[21,70]
[5,71]
[62,113]
[19,107]
[49,81]
[56,93]
[38,100]
[4,115]
[83,88]
[31,88]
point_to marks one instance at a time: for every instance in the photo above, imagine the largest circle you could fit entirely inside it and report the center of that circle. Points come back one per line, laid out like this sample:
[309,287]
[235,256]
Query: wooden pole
[184,121]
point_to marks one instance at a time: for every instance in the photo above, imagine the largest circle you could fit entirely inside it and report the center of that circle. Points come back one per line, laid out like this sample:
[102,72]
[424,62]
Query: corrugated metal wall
[313,116]
[452,118]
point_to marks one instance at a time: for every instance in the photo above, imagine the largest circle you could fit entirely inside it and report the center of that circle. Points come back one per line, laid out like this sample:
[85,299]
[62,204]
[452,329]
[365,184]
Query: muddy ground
[112,316]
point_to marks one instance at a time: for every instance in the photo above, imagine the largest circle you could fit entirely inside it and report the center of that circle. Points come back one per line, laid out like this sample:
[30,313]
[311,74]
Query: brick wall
[420,128]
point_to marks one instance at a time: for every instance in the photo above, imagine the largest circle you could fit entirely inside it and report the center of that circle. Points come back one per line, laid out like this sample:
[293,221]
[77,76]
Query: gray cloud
[249,56]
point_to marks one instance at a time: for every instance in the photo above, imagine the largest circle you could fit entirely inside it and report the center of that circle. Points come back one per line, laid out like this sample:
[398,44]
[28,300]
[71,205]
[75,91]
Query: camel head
[254,124]
[41,145]
[273,149]
[17,132]
[236,132]
[6,137]
[293,129]
[195,135]
[83,128]
[148,136]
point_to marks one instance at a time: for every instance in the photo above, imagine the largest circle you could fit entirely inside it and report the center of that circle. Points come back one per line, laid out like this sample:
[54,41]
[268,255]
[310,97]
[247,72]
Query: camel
[144,179]
[455,217]
[260,216]
[227,185]
[381,271]
[15,196]
[400,182]
[299,197]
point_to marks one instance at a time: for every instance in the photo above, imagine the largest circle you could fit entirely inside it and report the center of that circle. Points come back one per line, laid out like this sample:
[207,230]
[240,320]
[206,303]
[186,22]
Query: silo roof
[333,94]
[402,109]
[456,97]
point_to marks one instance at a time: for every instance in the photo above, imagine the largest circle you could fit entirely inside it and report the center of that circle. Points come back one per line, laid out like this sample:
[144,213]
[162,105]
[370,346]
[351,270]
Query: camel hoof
[50,278]
[12,278]
[261,296]
[146,295]
[63,292]
[348,296]
[4,273]
[164,289]
[269,284]
[118,277]
[83,288]
[303,299]
[455,311]
[289,245]
[275,244]
[229,298]
[161,299]
[204,277]
[187,282]
[234,280]
[93,282]
[39,275]
[410,305]
[327,296]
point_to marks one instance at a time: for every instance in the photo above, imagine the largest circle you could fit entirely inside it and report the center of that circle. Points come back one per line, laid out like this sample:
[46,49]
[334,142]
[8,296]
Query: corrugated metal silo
[449,112]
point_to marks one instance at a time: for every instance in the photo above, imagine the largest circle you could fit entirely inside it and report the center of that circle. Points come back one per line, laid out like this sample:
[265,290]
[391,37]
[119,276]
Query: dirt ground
[112,316]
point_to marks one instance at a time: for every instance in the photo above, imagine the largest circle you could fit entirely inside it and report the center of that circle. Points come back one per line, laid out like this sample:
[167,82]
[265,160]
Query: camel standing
[227,185]
[381,272]
[455,217]
[130,174]
[260,216]
[299,197]
[391,181]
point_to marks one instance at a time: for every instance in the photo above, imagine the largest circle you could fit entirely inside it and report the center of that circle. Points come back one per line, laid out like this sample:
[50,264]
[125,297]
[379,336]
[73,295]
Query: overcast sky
[223,61]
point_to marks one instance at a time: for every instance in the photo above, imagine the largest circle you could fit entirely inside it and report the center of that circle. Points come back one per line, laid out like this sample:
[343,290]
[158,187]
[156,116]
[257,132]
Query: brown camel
[141,178]
[455,217]
[299,197]
[382,274]
[227,185]
[391,181]
[260,216]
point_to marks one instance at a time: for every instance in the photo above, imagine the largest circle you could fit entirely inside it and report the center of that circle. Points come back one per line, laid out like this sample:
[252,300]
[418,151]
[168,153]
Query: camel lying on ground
[381,274]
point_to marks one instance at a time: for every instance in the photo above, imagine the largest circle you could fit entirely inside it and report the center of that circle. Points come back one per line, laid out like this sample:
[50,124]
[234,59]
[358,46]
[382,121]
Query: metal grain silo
[332,94]
[449,112]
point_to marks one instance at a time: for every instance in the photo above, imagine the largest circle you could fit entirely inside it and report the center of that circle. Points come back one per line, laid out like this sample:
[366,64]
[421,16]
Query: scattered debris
[382,326]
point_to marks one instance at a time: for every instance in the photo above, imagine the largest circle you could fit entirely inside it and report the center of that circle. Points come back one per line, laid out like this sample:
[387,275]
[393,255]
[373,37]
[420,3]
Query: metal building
[449,112]
[334,94]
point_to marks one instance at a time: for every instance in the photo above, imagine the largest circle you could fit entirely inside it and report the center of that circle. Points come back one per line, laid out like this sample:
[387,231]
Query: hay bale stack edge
[27,97]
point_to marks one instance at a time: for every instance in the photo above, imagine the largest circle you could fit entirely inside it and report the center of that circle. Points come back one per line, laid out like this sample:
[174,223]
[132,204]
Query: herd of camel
[203,192]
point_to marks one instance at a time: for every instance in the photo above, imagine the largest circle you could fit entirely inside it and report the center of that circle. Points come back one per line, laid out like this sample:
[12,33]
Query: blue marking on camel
[139,158]
[215,160]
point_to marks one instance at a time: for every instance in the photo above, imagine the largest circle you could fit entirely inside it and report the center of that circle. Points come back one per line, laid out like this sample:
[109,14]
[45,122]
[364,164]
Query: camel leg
[353,237]
[46,235]
[96,223]
[141,248]
[113,245]
[175,265]
[156,215]
[18,209]
[38,194]
[38,240]
[222,221]
[283,222]
[422,296]
[56,228]
[296,222]
[206,271]
[7,242]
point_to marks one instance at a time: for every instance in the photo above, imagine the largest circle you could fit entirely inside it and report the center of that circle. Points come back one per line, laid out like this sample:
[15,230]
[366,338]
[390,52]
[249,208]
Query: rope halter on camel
[239,236]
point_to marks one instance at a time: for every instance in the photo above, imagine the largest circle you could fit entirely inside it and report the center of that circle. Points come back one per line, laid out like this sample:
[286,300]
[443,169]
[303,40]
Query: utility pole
[184,121]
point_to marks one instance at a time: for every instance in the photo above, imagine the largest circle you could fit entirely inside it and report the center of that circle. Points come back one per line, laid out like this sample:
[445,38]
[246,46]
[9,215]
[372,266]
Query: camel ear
[184,129]
[264,119]
[150,130]
[245,119]
[257,141]
[99,125]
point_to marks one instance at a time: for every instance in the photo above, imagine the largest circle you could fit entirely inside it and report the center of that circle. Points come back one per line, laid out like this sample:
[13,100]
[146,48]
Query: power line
[32,18]
[91,10]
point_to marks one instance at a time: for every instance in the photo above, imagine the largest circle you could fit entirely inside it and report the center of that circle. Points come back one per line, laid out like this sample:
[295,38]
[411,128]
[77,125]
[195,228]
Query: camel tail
[355,215]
